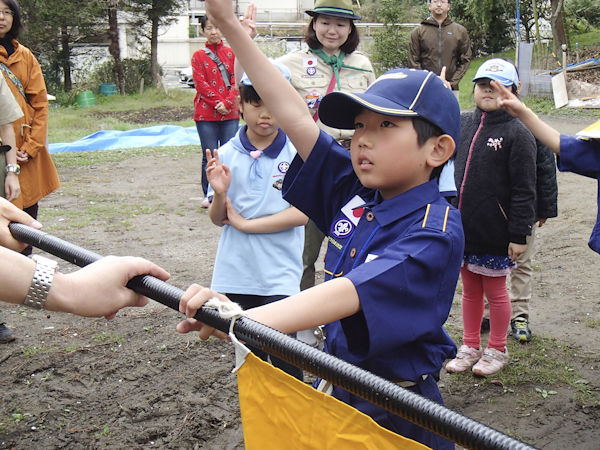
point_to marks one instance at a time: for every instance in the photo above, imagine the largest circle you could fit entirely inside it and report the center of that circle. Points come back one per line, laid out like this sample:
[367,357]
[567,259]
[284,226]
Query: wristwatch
[41,282]
[15,168]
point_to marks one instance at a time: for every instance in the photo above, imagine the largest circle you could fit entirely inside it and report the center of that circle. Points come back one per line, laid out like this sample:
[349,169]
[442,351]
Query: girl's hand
[12,188]
[442,77]
[219,11]
[218,174]
[22,156]
[249,20]
[516,250]
[234,218]
[190,303]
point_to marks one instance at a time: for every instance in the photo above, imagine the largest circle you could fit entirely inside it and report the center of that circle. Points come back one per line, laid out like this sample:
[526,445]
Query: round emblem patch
[311,71]
[283,166]
[342,228]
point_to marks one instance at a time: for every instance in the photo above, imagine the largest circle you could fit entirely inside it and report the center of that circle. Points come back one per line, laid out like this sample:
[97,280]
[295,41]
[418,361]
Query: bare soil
[134,382]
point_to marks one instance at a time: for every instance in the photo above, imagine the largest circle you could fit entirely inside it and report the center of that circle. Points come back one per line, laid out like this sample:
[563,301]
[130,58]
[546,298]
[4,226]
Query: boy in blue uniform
[395,245]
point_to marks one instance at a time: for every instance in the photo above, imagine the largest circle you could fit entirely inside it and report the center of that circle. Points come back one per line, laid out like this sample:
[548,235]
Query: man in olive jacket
[439,42]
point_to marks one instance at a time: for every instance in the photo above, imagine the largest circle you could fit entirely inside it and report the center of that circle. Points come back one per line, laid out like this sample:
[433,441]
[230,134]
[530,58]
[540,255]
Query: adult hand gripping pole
[408,405]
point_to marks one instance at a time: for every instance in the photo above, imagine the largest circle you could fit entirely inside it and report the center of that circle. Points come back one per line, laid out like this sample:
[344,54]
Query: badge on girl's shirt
[313,99]
[310,62]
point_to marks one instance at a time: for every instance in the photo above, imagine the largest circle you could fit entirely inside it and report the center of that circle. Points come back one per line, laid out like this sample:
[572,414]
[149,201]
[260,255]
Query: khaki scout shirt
[311,78]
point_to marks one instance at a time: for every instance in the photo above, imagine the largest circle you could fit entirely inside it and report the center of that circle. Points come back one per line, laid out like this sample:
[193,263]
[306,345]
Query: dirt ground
[134,382]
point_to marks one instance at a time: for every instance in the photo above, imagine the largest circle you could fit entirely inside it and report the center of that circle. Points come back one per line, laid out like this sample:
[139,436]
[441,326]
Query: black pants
[253,301]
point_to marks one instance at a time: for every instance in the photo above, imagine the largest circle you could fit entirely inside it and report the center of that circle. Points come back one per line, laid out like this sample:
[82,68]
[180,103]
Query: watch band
[15,168]
[41,282]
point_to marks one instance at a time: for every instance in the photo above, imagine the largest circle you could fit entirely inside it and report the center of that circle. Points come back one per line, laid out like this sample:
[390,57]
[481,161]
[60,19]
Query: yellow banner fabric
[280,412]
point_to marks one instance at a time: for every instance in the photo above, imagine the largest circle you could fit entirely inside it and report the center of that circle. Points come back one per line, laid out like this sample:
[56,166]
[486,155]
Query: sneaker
[520,329]
[485,325]
[492,362]
[205,203]
[465,358]
[6,334]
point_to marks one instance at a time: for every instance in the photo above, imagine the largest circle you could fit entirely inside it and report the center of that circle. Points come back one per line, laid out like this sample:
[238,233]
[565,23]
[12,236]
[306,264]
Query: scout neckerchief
[336,63]
[272,151]
[12,77]
[219,64]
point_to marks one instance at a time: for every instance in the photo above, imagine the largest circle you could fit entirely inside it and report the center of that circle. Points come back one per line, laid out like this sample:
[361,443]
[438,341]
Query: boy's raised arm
[541,130]
[274,90]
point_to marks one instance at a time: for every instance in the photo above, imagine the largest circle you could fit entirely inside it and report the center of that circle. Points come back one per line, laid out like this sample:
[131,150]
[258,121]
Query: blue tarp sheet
[141,137]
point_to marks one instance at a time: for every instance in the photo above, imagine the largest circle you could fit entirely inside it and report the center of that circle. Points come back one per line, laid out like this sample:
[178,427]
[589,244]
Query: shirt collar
[390,210]
[272,151]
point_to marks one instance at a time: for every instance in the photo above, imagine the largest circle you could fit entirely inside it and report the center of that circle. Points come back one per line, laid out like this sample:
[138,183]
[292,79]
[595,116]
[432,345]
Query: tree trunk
[66,56]
[154,50]
[558,27]
[114,47]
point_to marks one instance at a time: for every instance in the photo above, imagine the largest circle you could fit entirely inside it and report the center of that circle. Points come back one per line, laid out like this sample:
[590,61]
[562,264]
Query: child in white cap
[495,174]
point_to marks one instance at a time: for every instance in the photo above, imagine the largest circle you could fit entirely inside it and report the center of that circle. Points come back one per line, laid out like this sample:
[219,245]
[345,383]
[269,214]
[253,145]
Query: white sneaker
[465,358]
[492,362]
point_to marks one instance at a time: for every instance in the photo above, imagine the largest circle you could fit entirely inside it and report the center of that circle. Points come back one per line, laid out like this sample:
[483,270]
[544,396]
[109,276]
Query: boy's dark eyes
[358,125]
[386,124]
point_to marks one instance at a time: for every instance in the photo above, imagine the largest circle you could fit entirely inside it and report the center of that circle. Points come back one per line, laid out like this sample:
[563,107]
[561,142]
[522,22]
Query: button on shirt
[404,266]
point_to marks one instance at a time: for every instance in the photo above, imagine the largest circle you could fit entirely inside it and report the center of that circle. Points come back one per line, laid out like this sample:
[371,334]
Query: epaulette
[436,217]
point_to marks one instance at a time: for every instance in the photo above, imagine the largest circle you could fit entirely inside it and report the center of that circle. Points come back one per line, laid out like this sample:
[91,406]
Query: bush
[134,70]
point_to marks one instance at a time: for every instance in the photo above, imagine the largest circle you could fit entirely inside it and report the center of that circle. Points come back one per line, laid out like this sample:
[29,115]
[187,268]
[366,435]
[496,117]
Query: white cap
[282,68]
[500,70]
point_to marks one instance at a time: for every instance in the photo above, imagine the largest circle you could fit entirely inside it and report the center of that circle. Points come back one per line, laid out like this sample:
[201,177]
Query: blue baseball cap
[500,70]
[282,68]
[399,92]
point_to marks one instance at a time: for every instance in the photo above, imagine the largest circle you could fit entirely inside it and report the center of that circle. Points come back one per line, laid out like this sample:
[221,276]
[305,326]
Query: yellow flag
[281,412]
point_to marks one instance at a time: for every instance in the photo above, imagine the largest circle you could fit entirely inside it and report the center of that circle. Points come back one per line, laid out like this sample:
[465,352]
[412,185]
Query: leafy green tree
[147,18]
[52,29]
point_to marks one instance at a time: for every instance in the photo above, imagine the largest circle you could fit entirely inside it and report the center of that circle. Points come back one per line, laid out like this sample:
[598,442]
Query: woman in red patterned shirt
[215,107]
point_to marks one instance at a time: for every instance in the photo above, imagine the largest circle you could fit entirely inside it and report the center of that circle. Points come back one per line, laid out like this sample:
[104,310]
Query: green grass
[67,124]
[590,38]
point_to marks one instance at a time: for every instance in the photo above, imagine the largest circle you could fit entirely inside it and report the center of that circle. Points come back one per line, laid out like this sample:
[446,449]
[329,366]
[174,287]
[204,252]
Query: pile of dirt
[162,114]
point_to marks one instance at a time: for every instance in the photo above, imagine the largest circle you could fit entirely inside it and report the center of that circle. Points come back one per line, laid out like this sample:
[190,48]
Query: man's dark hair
[310,37]
[425,130]
[17,25]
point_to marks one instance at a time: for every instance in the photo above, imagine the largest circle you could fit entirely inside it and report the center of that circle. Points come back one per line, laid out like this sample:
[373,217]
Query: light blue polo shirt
[257,264]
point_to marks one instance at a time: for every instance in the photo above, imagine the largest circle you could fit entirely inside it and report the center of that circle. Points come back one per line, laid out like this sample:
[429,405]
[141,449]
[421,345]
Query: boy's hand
[234,218]
[190,303]
[249,20]
[516,250]
[508,101]
[219,11]
[218,174]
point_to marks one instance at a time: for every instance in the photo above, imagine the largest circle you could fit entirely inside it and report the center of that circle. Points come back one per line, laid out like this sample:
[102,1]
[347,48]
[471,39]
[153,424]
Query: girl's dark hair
[248,94]
[17,25]
[310,37]
[425,130]
[203,21]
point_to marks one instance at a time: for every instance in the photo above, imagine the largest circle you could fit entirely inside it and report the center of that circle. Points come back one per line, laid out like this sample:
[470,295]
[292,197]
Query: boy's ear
[241,105]
[442,149]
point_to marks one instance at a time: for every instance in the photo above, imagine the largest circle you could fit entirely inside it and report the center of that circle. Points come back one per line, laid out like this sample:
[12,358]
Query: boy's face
[260,121]
[386,154]
[486,95]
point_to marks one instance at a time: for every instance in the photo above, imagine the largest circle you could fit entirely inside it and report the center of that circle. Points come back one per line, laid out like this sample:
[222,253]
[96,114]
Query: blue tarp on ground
[141,137]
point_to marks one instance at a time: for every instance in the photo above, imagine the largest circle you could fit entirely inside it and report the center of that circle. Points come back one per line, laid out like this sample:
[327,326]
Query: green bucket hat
[336,8]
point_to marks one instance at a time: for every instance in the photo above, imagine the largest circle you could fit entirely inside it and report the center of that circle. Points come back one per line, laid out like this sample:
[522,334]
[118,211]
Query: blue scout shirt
[403,255]
[258,263]
[582,157]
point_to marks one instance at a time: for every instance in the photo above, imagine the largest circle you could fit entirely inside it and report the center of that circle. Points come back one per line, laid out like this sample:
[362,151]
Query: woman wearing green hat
[329,63]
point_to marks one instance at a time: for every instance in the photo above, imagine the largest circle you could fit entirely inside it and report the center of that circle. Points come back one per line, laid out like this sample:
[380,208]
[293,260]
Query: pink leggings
[494,288]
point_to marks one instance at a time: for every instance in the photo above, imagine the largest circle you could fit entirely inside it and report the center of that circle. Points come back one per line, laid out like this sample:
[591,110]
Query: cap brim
[343,15]
[504,81]
[339,109]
